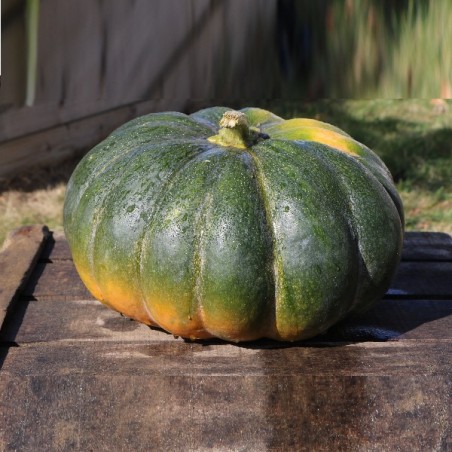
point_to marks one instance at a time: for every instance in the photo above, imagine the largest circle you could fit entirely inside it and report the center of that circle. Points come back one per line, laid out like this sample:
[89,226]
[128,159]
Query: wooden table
[75,375]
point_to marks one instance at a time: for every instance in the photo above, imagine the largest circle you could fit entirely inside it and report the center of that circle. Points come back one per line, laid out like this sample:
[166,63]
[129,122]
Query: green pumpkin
[237,225]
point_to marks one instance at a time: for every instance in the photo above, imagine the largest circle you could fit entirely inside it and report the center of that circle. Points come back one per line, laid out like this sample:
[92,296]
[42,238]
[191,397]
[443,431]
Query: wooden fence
[102,62]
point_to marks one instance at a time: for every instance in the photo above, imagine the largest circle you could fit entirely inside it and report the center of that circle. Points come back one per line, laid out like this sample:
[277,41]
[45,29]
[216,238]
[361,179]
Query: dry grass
[40,206]
[427,211]
[34,198]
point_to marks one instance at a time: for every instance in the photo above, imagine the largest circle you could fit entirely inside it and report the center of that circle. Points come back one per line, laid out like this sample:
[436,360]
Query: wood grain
[96,57]
[17,260]
[77,375]
[118,396]
[421,279]
[101,411]
[63,141]
[103,56]
[63,319]
[178,358]
[427,246]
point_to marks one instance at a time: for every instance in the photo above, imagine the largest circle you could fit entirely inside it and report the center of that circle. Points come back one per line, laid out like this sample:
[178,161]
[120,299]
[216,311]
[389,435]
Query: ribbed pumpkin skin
[280,240]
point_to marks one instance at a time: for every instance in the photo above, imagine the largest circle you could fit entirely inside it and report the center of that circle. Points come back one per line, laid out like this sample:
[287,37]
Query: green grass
[372,49]
[420,64]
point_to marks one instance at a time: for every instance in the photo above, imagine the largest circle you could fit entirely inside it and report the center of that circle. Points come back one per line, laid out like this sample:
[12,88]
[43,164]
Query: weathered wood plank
[57,248]
[17,260]
[101,411]
[427,246]
[59,278]
[106,55]
[176,358]
[396,320]
[96,50]
[422,279]
[83,377]
[63,141]
[63,320]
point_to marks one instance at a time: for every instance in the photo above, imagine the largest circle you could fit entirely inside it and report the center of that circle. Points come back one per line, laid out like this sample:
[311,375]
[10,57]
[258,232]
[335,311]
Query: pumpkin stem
[235,131]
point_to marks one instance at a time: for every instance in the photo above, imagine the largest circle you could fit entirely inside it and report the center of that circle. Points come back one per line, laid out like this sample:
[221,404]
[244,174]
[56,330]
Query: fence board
[97,56]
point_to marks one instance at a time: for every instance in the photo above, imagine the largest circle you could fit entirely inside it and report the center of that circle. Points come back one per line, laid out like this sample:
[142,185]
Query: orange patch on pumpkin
[89,281]
[308,123]
[335,140]
[229,326]
[168,316]
[312,130]
[116,296]
[119,296]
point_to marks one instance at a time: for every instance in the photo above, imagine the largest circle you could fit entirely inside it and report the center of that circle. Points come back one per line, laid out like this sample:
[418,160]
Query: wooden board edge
[427,246]
[18,257]
[68,140]
[427,236]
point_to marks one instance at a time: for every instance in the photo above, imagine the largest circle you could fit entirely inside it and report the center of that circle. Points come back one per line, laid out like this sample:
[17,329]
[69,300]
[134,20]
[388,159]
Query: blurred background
[74,71]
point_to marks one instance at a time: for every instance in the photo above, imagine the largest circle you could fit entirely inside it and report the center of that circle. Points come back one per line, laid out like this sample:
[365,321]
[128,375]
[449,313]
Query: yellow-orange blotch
[117,297]
[313,130]
[168,316]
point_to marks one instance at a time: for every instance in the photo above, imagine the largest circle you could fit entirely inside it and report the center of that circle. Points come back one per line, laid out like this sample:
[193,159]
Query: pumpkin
[234,224]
